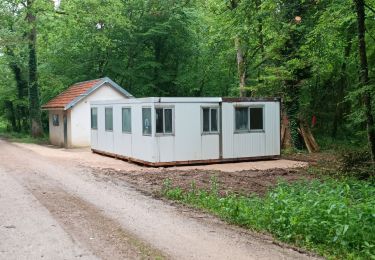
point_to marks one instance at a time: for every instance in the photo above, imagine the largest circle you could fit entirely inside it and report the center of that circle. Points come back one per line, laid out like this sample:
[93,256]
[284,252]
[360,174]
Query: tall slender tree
[34,103]
[364,76]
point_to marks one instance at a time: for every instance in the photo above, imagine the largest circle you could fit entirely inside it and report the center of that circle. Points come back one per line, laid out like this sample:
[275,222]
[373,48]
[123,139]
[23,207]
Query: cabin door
[65,131]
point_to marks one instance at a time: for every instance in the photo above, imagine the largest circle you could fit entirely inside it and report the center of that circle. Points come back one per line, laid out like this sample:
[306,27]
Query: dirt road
[55,208]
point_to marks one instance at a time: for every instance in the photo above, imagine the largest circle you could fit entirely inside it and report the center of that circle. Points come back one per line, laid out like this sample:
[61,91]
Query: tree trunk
[360,8]
[241,66]
[34,104]
[17,71]
[11,114]
[258,4]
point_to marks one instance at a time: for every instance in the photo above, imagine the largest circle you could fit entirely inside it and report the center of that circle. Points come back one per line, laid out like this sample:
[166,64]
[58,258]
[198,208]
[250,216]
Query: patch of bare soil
[313,158]
[243,182]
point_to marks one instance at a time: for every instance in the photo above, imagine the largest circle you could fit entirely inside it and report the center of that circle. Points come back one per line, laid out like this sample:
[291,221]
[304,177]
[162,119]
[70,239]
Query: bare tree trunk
[258,4]
[241,66]
[360,8]
[34,104]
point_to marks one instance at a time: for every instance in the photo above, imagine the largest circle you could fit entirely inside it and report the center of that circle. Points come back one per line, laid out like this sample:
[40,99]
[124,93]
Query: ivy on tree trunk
[34,104]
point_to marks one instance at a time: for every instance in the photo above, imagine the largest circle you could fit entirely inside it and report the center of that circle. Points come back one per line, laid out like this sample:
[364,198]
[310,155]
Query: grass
[333,218]
[22,137]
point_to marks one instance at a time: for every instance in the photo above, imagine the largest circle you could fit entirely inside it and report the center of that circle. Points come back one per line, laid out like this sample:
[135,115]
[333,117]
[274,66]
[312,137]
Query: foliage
[335,218]
[303,51]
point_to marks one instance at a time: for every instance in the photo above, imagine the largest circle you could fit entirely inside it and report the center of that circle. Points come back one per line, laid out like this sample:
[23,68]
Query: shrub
[334,218]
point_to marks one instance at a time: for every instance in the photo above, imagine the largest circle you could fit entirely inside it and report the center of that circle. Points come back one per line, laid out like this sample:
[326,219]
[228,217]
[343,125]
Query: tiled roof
[74,91]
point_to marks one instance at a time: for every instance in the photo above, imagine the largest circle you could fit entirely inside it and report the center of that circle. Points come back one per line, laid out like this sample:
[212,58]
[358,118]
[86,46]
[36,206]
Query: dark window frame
[210,131]
[238,131]
[164,133]
[254,130]
[249,129]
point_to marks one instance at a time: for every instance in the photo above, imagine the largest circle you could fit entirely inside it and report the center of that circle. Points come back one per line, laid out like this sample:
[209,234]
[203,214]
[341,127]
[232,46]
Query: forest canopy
[317,55]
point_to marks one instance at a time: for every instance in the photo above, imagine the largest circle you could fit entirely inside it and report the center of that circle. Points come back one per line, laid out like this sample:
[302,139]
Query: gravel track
[53,207]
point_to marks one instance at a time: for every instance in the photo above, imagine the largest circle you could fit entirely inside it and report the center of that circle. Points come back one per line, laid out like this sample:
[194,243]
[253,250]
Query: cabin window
[256,119]
[109,119]
[55,120]
[94,118]
[146,121]
[210,118]
[241,119]
[249,119]
[164,120]
[126,120]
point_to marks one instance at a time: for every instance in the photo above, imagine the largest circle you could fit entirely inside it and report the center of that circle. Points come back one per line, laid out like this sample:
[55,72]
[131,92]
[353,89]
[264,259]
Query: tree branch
[370,8]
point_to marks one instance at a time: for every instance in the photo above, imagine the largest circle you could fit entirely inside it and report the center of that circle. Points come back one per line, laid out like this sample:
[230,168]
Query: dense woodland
[318,55]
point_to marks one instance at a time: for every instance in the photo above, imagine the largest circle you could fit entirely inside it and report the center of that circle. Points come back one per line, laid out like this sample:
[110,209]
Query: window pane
[242,118]
[108,119]
[146,121]
[55,120]
[94,118]
[256,118]
[206,119]
[126,120]
[159,120]
[168,120]
[214,125]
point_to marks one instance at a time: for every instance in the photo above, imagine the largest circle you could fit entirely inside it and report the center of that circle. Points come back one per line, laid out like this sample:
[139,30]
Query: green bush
[334,218]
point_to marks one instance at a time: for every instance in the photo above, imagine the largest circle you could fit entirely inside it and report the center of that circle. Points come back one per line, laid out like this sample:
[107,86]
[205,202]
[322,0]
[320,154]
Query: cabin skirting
[182,163]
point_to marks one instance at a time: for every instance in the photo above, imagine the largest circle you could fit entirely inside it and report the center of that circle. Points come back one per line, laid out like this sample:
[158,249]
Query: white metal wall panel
[94,139]
[252,144]
[122,141]
[210,146]
[101,142]
[227,130]
[188,132]
[143,147]
[187,143]
[165,148]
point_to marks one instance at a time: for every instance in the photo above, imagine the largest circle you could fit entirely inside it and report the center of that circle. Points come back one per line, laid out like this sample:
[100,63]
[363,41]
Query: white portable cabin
[162,131]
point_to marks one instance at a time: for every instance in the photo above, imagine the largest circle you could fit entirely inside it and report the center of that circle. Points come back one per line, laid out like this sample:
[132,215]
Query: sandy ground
[85,157]
[53,206]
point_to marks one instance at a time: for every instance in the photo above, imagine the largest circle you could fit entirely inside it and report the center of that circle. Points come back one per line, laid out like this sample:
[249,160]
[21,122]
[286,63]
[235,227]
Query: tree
[364,77]
[34,103]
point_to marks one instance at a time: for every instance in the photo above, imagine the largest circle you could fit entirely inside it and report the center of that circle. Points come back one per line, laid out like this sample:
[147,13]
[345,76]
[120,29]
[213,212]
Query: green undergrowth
[23,138]
[333,218]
